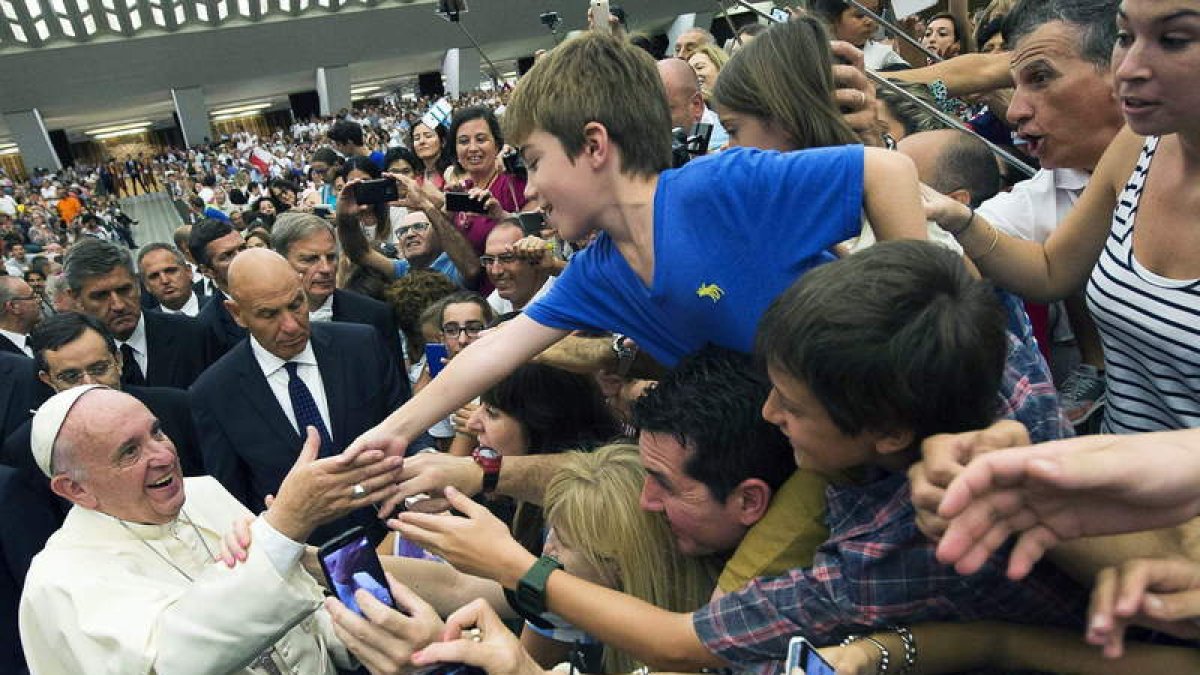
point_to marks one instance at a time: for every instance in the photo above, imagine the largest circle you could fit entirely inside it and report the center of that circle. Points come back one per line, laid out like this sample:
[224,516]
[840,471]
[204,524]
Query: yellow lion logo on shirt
[711,291]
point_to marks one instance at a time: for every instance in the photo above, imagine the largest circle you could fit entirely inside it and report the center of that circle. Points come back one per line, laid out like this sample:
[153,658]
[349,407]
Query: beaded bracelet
[884,656]
[910,649]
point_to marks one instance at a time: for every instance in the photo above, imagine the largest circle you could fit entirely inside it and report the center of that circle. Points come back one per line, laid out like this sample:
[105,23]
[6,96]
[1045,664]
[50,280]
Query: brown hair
[596,78]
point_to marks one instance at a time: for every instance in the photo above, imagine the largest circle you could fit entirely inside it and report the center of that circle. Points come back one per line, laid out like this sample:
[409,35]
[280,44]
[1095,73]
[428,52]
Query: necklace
[184,517]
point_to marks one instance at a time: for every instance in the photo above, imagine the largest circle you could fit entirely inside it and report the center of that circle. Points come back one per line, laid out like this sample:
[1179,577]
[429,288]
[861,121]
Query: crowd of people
[601,396]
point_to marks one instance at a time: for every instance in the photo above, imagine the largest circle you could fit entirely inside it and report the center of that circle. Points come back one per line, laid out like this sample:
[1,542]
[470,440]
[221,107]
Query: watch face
[487,454]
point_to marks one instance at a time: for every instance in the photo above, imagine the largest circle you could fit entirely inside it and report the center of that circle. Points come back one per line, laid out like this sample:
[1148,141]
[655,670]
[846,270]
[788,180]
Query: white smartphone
[600,16]
[802,655]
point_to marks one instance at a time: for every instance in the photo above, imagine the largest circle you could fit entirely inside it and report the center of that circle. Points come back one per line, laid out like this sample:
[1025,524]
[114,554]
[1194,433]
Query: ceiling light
[246,108]
[126,126]
[123,132]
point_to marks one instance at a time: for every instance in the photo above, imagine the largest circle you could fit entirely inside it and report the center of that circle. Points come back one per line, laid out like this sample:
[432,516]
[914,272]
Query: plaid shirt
[876,569]
[1027,392]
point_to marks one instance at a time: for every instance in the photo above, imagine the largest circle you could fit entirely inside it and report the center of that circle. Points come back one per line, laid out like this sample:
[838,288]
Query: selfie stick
[948,120]
[491,66]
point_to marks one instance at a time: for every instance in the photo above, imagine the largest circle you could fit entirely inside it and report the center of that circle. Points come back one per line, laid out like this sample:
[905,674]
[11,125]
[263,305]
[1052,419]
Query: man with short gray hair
[308,243]
[158,350]
[168,280]
[20,311]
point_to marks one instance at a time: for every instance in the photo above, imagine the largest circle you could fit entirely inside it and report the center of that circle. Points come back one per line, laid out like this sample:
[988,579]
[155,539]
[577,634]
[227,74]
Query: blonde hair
[592,504]
[596,78]
[714,53]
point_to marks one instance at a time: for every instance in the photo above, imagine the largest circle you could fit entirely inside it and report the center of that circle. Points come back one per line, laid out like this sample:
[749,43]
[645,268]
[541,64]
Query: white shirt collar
[324,312]
[1070,179]
[137,341]
[269,363]
[16,338]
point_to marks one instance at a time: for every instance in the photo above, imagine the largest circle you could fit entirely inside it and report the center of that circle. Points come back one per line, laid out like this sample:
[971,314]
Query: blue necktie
[305,408]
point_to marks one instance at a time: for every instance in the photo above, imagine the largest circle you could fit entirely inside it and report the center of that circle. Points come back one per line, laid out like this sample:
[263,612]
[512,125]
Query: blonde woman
[707,61]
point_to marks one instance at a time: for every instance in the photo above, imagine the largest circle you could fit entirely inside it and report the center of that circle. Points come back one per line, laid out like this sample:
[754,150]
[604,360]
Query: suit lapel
[158,346]
[8,374]
[336,382]
[7,345]
[256,390]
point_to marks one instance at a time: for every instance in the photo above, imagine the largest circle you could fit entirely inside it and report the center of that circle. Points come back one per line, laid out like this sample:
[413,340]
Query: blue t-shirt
[442,264]
[731,232]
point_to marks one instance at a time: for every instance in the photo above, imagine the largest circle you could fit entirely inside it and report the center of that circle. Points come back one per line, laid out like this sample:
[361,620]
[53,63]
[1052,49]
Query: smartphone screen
[434,353]
[802,655]
[350,563]
[780,15]
[461,201]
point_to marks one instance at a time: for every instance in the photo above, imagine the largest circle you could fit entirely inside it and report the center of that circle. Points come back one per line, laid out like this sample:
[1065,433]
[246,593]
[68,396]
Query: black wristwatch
[531,589]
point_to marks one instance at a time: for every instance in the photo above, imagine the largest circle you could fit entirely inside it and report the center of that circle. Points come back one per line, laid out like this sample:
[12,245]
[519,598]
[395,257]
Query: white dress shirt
[18,340]
[324,312]
[190,308]
[277,379]
[137,342]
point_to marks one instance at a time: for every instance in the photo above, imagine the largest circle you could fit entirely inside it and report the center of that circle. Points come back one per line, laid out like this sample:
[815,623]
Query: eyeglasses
[95,371]
[503,259]
[472,329]
[415,227]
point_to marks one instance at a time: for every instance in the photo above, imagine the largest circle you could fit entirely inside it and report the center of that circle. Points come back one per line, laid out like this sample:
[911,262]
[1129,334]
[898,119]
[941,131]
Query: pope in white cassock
[130,583]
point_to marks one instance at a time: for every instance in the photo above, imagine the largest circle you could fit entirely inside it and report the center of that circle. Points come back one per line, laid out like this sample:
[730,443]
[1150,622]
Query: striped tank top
[1150,327]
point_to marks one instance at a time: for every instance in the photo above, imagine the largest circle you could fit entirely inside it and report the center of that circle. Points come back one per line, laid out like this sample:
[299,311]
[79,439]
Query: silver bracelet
[910,649]
[884,656]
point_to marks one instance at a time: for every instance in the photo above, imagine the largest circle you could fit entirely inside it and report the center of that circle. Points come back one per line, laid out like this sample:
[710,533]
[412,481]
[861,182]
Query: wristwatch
[531,589]
[488,460]
[626,350]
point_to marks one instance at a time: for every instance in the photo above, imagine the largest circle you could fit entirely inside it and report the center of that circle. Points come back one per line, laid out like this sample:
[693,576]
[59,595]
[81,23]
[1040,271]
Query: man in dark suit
[167,281]
[158,350]
[27,523]
[73,349]
[20,311]
[252,404]
[18,391]
[309,245]
[214,244]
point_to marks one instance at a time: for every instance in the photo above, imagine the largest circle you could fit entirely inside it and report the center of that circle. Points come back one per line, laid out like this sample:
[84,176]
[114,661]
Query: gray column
[193,115]
[460,67]
[333,88]
[29,133]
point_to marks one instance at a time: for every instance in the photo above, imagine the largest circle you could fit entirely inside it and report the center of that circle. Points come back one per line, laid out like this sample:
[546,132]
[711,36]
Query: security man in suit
[157,350]
[250,406]
[308,243]
[214,244]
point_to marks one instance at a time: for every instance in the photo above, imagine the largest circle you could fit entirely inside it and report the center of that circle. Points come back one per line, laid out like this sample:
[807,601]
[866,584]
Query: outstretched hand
[476,636]
[384,639]
[1161,594]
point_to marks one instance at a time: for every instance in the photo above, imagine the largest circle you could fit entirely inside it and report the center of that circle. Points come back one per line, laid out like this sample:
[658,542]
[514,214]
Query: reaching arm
[444,587]
[456,246]
[1058,268]
[354,242]
[892,196]
[479,366]
[589,355]
[963,75]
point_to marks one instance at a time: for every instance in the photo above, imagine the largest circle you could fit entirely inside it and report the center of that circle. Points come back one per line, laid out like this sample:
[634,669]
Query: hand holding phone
[350,563]
[802,655]
[462,201]
[376,191]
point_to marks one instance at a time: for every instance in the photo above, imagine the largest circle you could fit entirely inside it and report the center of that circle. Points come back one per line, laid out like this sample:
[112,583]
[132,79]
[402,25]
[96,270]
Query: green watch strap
[531,589]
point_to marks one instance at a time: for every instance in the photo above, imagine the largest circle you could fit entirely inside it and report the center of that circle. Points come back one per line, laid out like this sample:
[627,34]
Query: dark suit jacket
[151,302]
[20,391]
[247,441]
[170,406]
[24,528]
[223,332]
[351,307]
[178,350]
[7,346]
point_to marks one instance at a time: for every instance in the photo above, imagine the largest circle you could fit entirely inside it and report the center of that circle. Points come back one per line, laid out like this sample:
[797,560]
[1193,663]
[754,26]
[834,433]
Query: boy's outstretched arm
[892,195]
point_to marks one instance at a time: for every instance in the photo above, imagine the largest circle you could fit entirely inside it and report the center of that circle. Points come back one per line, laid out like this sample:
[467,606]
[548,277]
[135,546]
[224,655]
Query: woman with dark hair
[945,35]
[850,24]
[429,144]
[283,193]
[404,162]
[477,141]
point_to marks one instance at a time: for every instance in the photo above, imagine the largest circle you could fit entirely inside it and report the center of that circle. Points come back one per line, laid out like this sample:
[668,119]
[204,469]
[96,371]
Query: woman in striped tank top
[1133,237]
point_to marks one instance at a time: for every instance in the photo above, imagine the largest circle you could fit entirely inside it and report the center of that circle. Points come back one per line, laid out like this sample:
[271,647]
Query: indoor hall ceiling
[114,79]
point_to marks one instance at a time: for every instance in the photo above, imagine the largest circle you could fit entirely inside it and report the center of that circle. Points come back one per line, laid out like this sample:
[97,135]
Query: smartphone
[434,353]
[532,223]
[600,17]
[780,15]
[802,655]
[376,191]
[323,210]
[461,201]
[350,563]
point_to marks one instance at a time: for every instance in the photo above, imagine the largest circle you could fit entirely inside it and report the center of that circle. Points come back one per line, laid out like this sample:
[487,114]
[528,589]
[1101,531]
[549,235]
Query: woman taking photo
[477,142]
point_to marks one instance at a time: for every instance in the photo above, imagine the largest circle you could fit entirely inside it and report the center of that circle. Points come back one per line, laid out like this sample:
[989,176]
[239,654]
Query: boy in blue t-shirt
[684,257]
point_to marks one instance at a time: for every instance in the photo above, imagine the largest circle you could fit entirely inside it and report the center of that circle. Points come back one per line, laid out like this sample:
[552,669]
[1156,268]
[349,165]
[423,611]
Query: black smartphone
[532,223]
[802,655]
[323,210]
[376,191]
[350,563]
[461,201]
